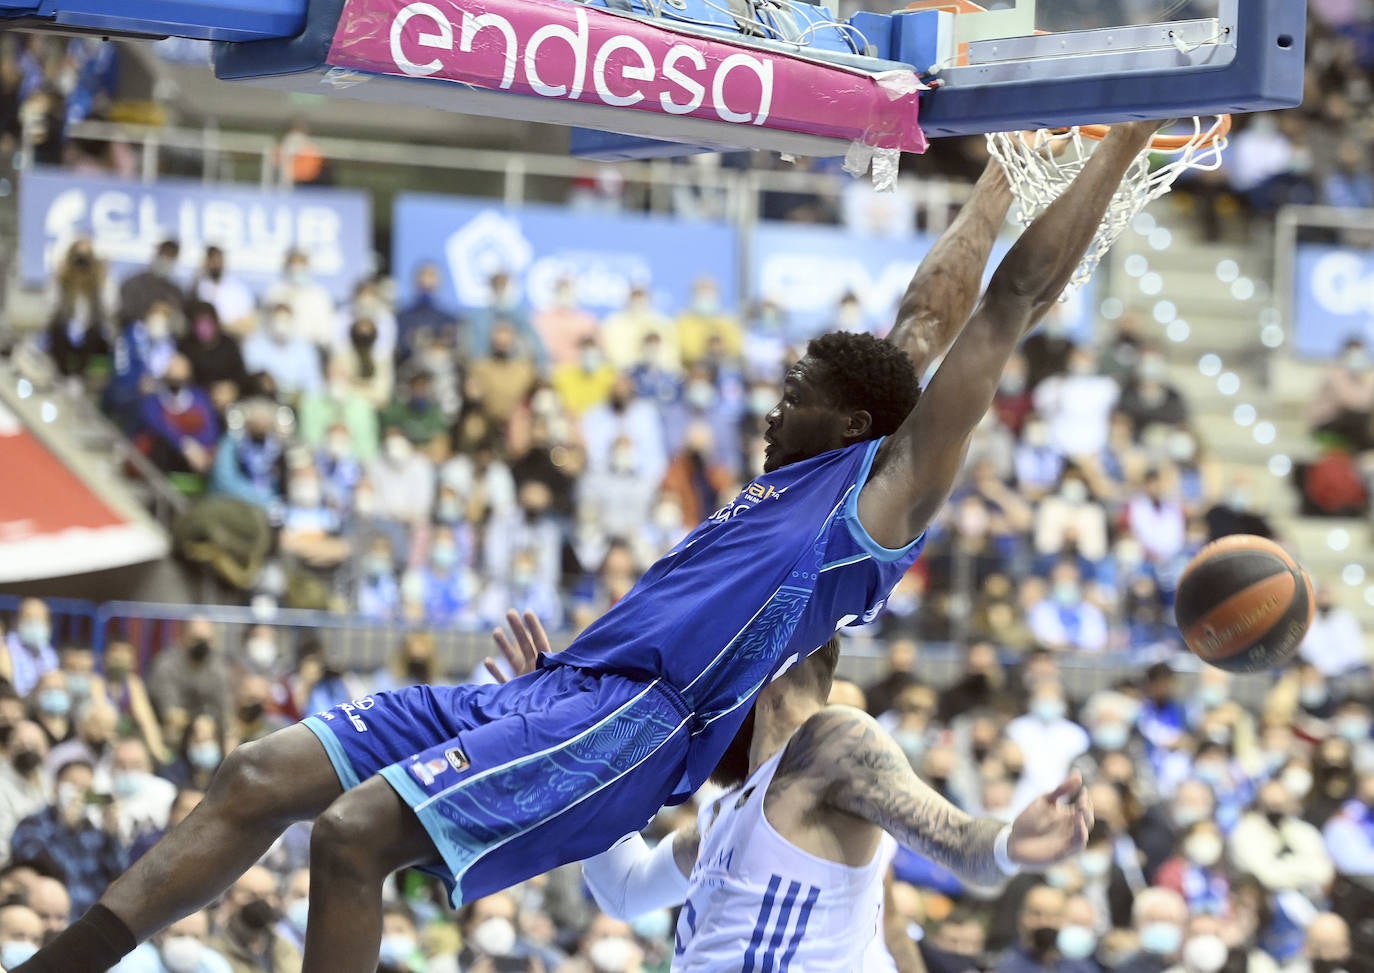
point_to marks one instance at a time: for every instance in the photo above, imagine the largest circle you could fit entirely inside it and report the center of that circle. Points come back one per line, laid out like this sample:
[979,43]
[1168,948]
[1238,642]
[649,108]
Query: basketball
[1243,604]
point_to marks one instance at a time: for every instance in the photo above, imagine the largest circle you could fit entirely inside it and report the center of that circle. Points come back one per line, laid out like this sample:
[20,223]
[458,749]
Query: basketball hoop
[1041,165]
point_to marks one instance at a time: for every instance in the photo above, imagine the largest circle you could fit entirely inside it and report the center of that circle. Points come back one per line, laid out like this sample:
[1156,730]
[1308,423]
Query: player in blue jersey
[487,786]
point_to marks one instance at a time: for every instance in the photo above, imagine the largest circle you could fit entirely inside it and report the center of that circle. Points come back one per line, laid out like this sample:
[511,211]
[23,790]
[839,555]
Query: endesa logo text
[587,58]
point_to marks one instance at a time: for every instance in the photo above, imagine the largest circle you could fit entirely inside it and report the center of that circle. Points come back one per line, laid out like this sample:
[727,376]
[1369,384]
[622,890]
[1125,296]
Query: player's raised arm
[916,467]
[941,295]
[867,775]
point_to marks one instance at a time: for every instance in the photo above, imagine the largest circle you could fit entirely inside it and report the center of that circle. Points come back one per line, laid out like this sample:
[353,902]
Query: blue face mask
[1076,942]
[79,685]
[396,949]
[55,702]
[1111,736]
[34,634]
[1161,938]
[15,952]
[204,756]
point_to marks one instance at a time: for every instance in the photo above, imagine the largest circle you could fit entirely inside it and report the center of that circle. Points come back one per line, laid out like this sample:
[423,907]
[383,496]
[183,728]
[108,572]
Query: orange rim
[1169,143]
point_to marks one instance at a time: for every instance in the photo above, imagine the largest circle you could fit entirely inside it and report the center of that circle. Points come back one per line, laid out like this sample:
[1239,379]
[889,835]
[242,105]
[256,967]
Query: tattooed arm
[861,771]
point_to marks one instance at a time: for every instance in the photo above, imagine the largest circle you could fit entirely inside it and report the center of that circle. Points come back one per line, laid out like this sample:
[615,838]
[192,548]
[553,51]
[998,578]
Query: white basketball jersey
[756,903]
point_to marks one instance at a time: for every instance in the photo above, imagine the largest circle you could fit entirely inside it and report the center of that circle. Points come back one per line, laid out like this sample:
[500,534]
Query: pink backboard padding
[563,50]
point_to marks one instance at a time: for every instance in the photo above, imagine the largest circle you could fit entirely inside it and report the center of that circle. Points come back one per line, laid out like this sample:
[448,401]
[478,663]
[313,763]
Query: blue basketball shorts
[513,780]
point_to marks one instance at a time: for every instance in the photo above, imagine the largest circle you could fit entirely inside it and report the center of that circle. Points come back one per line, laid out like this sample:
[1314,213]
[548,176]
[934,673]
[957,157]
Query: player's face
[805,423]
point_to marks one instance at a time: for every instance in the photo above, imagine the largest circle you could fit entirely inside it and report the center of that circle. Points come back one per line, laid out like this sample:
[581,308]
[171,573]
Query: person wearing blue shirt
[487,786]
[250,465]
[425,313]
[506,307]
[1046,941]
[142,353]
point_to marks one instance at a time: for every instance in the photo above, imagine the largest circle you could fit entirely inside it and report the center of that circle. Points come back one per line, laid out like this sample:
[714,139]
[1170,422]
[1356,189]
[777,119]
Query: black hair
[861,372]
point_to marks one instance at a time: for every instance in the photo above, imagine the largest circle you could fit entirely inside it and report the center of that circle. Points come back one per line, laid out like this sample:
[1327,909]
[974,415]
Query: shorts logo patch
[458,760]
[428,770]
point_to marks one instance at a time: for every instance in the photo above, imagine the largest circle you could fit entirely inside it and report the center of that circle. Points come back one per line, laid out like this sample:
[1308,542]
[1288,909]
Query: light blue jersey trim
[348,777]
[851,515]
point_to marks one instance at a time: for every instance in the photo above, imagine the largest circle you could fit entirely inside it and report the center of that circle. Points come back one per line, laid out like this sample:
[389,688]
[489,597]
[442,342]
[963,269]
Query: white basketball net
[1040,165]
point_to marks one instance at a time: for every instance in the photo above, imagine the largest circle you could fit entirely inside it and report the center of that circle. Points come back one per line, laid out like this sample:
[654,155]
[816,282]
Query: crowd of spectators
[1228,837]
[434,465]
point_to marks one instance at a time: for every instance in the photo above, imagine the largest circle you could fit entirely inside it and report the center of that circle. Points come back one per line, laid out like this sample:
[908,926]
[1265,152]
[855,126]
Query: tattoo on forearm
[872,779]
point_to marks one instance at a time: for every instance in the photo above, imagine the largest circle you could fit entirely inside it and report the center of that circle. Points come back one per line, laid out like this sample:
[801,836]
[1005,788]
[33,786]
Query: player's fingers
[494,669]
[540,637]
[514,657]
[1071,786]
[522,634]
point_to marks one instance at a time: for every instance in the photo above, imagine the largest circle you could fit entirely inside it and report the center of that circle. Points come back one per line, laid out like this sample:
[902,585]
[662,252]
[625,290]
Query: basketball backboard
[655,77]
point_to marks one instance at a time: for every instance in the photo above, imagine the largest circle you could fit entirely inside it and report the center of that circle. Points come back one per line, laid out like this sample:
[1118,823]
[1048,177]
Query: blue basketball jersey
[761,584]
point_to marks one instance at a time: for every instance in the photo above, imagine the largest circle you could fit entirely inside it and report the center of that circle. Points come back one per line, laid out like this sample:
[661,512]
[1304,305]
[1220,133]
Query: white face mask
[397,449]
[494,937]
[182,954]
[262,652]
[1204,850]
[612,954]
[1204,954]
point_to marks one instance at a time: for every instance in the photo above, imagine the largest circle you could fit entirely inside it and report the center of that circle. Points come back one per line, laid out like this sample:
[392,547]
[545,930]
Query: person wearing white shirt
[1279,848]
[1071,512]
[1078,406]
[367,305]
[312,309]
[1335,640]
[231,298]
[280,351]
[1064,620]
[1157,520]
[625,432]
[1049,741]
[402,480]
[180,948]
[142,799]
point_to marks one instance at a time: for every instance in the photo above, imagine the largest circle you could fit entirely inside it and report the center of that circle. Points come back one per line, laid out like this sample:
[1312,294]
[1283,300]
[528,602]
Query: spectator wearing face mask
[1326,948]
[142,351]
[67,833]
[1071,513]
[28,649]
[199,755]
[1066,620]
[1349,833]
[26,785]
[155,285]
[310,306]
[624,333]
[1105,889]
[428,312]
[215,357]
[1078,406]
[250,463]
[705,319]
[403,481]
[1280,849]
[1040,927]
[232,300]
[378,593]
[96,723]
[177,426]
[50,706]
[1236,512]
[368,304]
[249,939]
[180,948]
[190,679]
[1343,409]
[280,350]
[506,308]
[400,946]
[564,327]
[1037,465]
[1215,765]
[143,800]
[127,692]
[21,933]
[1050,742]
[417,414]
[954,945]
[608,946]
[1212,945]
[490,938]
[1158,917]
[311,527]
[338,404]
[1335,641]
[502,377]
[1156,519]
[1149,399]
[1197,872]
[585,381]
[1163,825]
[185,801]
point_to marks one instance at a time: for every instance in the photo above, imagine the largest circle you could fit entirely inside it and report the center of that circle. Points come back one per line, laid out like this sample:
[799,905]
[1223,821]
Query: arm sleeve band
[631,878]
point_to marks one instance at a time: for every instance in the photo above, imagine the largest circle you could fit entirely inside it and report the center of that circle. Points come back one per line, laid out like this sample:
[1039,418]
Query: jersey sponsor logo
[749,498]
[457,759]
[782,922]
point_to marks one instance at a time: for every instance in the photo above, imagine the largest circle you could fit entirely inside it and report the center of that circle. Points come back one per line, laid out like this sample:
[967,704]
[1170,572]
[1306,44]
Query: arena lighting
[1338,539]
[1211,365]
[1353,575]
[1165,312]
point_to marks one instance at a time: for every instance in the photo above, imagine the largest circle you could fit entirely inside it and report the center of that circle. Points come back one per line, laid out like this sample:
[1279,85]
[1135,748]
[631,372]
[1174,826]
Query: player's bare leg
[260,789]
[363,837]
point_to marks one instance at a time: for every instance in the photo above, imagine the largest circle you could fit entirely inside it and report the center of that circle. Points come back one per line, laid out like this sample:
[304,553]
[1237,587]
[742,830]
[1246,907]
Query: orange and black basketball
[1243,604]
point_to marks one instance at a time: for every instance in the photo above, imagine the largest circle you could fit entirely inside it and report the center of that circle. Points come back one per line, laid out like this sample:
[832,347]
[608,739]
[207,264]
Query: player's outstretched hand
[1055,826]
[530,639]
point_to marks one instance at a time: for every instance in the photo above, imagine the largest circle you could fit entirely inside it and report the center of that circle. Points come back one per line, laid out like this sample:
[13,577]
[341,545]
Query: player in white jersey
[784,871]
